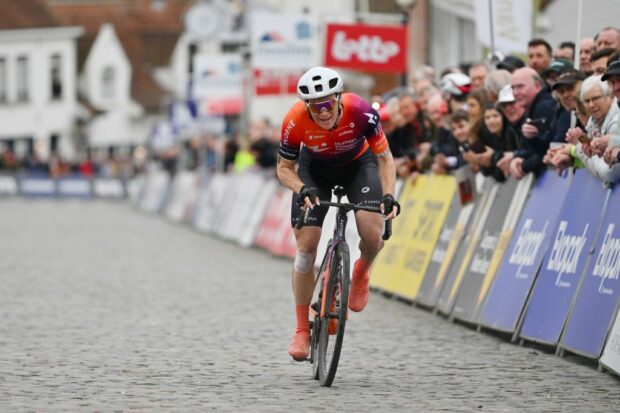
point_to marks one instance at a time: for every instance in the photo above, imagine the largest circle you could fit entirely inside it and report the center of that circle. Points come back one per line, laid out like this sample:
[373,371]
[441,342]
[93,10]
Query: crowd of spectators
[106,164]
[514,117]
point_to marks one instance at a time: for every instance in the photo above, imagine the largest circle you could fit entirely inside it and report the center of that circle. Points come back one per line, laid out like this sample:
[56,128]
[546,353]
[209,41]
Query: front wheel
[332,326]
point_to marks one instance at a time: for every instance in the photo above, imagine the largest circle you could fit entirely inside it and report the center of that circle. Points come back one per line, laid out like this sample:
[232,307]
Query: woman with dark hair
[498,137]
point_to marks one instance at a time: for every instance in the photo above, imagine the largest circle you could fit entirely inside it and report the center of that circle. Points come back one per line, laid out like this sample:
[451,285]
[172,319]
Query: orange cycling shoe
[299,348]
[358,297]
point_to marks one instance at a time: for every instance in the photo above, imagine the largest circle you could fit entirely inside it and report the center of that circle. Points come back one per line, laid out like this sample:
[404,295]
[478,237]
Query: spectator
[539,55]
[586,47]
[509,107]
[599,60]
[511,63]
[459,130]
[445,146]
[534,136]
[494,82]
[476,100]
[455,87]
[597,96]
[566,51]
[608,37]
[551,73]
[498,137]
[566,88]
[477,73]
[612,77]
[408,139]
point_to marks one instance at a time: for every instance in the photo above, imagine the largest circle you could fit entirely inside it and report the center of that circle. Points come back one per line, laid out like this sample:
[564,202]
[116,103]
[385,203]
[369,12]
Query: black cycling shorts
[359,178]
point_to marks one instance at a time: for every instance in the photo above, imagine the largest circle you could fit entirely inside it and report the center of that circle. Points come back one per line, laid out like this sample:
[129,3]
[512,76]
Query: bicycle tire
[315,321]
[337,292]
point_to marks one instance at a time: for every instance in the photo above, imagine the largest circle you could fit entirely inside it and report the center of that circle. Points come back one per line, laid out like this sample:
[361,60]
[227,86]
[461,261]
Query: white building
[105,82]
[38,103]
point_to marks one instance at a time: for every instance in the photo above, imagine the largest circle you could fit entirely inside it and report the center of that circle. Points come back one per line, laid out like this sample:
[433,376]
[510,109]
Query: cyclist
[343,144]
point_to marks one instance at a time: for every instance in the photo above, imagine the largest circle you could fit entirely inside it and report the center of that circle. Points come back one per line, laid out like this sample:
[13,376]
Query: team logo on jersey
[365,190]
[372,118]
[351,125]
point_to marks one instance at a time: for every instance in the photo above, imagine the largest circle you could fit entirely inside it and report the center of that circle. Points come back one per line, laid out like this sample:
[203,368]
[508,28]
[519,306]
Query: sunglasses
[321,106]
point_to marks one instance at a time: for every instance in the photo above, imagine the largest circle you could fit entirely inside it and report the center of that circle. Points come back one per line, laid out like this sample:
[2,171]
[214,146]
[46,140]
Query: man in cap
[566,87]
[551,73]
[599,60]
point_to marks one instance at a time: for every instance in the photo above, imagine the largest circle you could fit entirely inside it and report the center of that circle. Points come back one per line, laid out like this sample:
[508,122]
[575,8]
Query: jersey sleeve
[374,132]
[290,139]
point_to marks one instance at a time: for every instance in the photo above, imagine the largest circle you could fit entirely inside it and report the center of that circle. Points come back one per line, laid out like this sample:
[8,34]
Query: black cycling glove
[307,191]
[389,203]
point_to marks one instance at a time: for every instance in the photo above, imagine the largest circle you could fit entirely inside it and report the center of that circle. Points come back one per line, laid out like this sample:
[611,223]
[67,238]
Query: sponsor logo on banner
[527,246]
[565,253]
[607,264]
[275,82]
[283,41]
[366,47]
[74,187]
[37,186]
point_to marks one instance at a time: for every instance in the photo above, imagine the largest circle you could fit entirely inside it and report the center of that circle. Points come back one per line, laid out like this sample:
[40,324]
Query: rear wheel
[329,345]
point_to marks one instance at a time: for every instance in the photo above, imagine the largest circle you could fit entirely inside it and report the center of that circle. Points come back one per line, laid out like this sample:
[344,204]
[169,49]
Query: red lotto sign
[365,47]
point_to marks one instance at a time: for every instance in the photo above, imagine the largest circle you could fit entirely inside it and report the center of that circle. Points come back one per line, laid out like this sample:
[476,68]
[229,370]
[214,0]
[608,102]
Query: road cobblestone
[106,309]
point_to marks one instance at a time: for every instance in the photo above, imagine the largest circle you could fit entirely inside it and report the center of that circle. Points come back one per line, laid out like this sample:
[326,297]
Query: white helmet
[455,84]
[318,82]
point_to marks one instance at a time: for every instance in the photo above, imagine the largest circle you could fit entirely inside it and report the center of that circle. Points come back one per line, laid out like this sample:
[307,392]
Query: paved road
[103,308]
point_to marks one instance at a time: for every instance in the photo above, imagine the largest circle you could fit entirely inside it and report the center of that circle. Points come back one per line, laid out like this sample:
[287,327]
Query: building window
[108,83]
[22,79]
[3,74]
[56,77]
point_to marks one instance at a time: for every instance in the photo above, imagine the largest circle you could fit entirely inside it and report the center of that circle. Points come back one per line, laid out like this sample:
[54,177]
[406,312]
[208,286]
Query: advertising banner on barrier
[209,201]
[74,187]
[109,188]
[37,186]
[155,191]
[183,192]
[465,253]
[8,185]
[256,211]
[441,278]
[415,236]
[476,275]
[276,222]
[560,274]
[611,353]
[517,271]
[597,299]
[441,254]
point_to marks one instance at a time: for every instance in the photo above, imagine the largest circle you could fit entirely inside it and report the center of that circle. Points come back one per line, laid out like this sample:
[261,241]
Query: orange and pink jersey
[358,129]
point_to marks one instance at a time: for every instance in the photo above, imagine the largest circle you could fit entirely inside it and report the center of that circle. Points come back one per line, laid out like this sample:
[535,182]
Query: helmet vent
[333,82]
[317,77]
[304,89]
[318,88]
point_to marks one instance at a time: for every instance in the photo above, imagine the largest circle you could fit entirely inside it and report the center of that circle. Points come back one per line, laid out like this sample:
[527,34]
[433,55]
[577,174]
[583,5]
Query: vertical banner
[512,24]
[518,269]
[386,265]
[452,286]
[366,47]
[559,277]
[467,302]
[436,276]
[599,293]
[440,254]
[284,41]
[408,254]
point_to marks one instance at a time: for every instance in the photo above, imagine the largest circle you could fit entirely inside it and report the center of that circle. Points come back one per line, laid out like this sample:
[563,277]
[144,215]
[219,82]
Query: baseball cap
[505,95]
[511,63]
[569,77]
[612,70]
[558,66]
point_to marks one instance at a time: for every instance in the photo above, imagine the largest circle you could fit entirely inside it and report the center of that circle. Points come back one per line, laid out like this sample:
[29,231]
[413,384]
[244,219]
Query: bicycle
[328,314]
